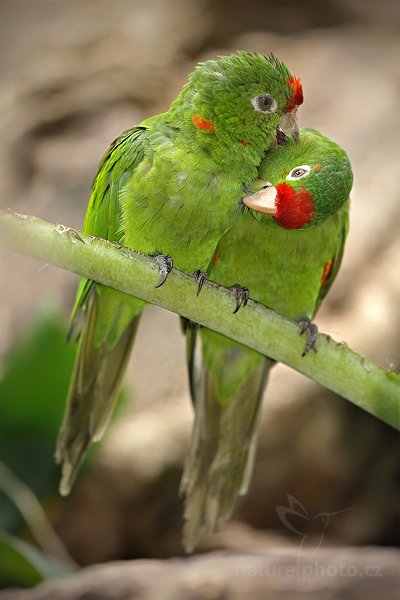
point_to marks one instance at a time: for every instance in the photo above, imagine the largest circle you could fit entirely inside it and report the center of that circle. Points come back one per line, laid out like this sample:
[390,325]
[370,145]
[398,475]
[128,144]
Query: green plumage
[289,270]
[170,186]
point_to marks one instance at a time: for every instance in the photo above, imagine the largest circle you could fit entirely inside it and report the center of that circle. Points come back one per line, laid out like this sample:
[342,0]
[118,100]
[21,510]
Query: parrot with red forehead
[170,187]
[286,250]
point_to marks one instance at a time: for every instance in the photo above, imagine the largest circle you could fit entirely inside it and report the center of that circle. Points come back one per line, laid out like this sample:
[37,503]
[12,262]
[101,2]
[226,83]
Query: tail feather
[94,388]
[220,462]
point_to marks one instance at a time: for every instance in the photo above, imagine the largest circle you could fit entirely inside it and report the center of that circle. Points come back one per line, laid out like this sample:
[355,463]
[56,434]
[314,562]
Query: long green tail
[227,383]
[99,368]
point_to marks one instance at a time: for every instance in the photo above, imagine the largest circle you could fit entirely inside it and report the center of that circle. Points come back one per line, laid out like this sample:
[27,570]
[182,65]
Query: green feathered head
[302,184]
[240,99]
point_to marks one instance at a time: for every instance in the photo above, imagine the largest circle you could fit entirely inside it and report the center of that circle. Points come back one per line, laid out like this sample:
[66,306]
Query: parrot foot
[306,325]
[165,265]
[188,325]
[192,325]
[242,296]
[200,277]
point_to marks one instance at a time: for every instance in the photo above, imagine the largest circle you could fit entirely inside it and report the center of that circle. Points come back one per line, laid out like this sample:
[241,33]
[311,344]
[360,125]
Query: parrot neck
[230,144]
[240,156]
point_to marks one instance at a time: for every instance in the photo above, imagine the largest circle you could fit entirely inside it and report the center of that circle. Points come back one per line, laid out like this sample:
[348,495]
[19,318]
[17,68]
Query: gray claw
[307,326]
[200,277]
[242,296]
[165,265]
[192,324]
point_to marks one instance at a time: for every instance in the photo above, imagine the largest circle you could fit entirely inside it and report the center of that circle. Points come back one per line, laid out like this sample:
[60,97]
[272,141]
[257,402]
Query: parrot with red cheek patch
[287,251]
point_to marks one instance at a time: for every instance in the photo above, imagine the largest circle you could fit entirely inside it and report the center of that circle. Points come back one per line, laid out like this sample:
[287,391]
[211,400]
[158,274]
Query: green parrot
[170,186]
[287,251]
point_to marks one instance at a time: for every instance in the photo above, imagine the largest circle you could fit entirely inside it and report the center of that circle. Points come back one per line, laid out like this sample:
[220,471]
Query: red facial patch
[293,209]
[244,142]
[296,93]
[201,123]
[215,258]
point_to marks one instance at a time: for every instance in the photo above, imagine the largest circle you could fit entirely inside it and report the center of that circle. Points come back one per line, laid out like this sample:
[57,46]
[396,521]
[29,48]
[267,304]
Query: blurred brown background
[74,74]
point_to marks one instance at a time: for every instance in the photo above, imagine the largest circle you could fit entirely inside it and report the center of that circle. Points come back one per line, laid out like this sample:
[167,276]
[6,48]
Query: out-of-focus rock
[278,573]
[86,56]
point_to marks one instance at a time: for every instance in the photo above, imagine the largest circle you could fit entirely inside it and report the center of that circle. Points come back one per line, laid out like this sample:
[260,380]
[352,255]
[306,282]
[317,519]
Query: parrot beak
[289,126]
[262,201]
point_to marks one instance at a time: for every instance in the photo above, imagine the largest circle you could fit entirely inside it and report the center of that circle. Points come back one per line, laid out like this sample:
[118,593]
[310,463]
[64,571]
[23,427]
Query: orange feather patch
[202,123]
[326,271]
[215,258]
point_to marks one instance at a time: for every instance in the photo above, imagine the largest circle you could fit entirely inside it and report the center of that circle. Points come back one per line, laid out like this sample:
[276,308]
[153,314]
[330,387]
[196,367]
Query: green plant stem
[34,515]
[334,366]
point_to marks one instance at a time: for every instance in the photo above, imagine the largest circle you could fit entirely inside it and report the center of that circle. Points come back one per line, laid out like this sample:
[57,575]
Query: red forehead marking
[244,142]
[202,123]
[294,209]
[296,93]
[317,166]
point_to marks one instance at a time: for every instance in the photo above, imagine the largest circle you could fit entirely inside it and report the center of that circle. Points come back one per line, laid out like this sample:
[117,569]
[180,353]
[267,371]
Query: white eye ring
[299,172]
[264,103]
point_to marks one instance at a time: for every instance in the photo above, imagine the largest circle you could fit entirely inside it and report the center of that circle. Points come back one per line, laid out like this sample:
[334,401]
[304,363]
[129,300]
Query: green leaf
[35,378]
[23,565]
[33,389]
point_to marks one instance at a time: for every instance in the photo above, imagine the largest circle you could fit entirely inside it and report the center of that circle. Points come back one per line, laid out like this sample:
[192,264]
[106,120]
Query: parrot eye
[264,103]
[299,172]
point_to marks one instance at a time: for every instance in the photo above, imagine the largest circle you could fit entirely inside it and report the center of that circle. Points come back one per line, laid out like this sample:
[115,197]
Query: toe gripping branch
[165,265]
[200,277]
[242,296]
[241,293]
[307,326]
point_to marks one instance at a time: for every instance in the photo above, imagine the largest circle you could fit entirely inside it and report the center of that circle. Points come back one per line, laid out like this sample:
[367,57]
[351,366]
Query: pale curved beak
[262,201]
[289,125]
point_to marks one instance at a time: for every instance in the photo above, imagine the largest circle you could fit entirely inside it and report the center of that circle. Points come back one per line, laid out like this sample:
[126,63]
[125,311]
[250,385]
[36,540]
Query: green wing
[109,318]
[116,168]
[104,210]
[337,259]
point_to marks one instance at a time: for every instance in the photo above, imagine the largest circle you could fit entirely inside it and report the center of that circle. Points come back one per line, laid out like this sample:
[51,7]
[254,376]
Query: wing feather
[104,210]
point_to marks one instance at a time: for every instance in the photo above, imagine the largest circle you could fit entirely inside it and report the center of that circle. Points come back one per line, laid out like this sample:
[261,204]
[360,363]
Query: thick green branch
[334,365]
